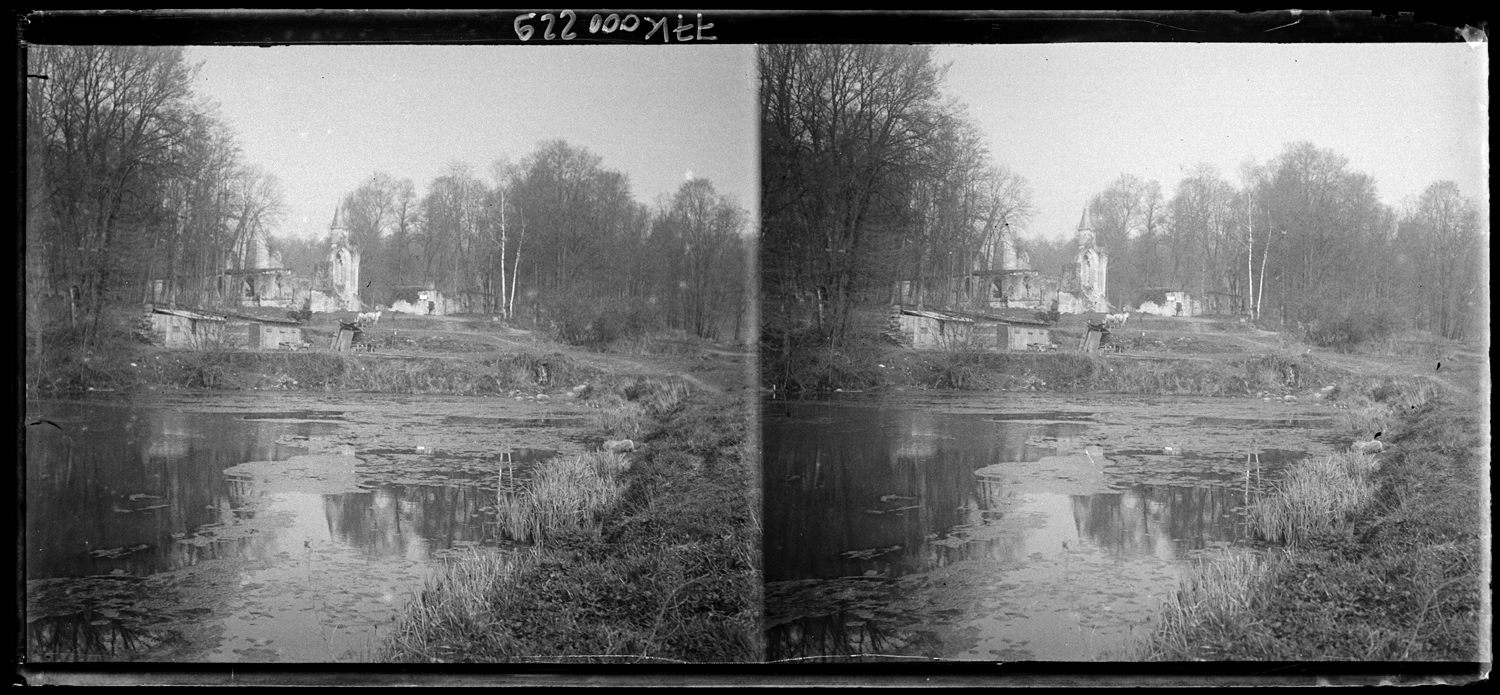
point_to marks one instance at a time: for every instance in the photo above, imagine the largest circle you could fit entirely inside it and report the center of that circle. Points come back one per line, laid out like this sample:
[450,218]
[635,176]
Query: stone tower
[1092,267]
[343,265]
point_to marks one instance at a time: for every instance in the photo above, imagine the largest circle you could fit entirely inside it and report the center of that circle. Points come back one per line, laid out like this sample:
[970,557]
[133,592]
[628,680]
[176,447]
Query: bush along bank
[648,555]
[1241,375]
[322,371]
[1074,371]
[1373,556]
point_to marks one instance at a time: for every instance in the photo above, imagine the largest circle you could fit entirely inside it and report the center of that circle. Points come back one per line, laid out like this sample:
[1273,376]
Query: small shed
[180,328]
[256,333]
[1008,332]
[1025,334]
[933,330]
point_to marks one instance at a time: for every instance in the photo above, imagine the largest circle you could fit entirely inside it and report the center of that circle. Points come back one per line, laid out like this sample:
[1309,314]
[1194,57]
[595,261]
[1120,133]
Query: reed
[566,494]
[454,607]
[1317,496]
[623,420]
[1214,610]
[664,397]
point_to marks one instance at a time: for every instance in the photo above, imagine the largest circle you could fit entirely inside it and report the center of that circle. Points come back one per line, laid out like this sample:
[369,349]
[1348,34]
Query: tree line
[136,190]
[131,181]
[559,240]
[1302,241]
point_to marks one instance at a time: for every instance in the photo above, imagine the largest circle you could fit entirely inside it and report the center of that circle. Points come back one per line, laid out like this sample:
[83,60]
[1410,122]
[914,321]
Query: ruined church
[256,277]
[1014,284]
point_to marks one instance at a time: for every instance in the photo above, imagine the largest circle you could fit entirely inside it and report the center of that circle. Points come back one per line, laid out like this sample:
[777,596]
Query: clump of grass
[1213,612]
[623,420]
[1317,496]
[1368,419]
[455,608]
[663,397]
[1379,406]
[625,406]
[1405,394]
[566,494]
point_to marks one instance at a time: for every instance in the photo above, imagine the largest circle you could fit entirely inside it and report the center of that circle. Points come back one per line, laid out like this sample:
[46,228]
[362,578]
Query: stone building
[1162,301]
[255,277]
[1083,280]
[338,277]
[1014,284]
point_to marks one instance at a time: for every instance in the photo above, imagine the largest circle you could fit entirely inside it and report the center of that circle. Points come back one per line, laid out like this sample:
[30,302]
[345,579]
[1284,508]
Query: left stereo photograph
[385,353]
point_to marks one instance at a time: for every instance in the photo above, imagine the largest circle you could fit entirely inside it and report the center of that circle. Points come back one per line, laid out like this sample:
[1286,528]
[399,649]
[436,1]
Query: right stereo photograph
[1125,352]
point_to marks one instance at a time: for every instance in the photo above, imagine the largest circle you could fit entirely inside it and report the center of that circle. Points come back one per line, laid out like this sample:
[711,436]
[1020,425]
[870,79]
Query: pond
[258,527]
[1002,527]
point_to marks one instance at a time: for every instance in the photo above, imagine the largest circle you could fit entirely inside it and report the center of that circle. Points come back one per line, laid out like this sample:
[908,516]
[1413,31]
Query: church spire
[336,225]
[1085,230]
[337,232]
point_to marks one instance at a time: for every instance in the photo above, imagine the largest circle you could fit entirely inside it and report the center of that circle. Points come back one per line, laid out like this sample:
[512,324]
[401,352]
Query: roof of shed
[187,314]
[937,315]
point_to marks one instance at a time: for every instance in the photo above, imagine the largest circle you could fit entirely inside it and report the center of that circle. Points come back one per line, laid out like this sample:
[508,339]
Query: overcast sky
[1073,117]
[324,118]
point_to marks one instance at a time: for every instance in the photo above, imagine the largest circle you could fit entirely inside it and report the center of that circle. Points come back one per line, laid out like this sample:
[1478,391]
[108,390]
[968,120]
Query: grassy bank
[139,368]
[1374,557]
[649,556]
[874,368]
[1075,371]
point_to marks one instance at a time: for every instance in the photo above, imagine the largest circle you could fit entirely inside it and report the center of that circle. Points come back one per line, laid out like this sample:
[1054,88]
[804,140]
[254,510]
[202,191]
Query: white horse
[369,318]
[1116,320]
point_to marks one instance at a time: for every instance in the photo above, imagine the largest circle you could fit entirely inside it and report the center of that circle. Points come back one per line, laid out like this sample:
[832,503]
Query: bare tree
[109,120]
[704,231]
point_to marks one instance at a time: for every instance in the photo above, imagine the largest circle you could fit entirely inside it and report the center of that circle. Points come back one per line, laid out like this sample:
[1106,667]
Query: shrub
[1344,328]
[595,323]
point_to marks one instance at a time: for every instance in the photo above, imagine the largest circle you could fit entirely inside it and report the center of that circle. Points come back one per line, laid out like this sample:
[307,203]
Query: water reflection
[842,479]
[1004,566]
[113,477]
[1163,521]
[124,506]
[117,489]
[89,636]
[409,521]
